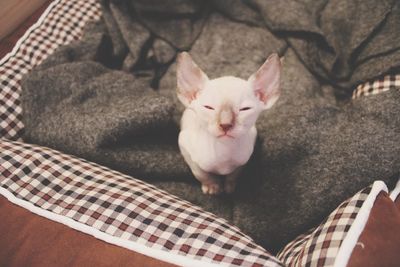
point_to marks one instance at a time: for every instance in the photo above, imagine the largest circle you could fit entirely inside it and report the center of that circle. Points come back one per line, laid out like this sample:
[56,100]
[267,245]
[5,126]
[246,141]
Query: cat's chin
[225,136]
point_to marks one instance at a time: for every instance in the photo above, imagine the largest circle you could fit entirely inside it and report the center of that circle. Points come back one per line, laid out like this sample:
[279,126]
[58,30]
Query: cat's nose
[226,126]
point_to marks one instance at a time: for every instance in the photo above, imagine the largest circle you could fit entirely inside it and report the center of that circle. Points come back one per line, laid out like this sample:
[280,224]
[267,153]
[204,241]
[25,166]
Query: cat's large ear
[266,81]
[190,79]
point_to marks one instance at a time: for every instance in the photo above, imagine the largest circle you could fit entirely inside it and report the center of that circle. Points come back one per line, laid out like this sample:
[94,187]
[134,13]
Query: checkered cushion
[378,86]
[320,246]
[123,207]
[62,23]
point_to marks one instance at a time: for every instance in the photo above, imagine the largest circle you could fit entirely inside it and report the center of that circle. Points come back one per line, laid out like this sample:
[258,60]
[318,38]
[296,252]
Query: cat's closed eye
[208,107]
[245,108]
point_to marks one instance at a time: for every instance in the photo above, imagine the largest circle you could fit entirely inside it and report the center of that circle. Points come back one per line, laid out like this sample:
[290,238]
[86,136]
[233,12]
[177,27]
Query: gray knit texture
[110,98]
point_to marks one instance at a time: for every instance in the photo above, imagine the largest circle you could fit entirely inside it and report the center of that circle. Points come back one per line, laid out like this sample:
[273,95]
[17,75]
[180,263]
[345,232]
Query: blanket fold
[342,42]
[110,98]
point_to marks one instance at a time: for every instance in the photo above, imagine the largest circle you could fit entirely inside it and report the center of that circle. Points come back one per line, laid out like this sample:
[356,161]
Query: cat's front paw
[211,189]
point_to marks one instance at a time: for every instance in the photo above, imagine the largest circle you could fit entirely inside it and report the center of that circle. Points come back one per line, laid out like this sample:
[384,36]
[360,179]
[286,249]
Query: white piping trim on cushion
[28,32]
[350,241]
[169,257]
[395,192]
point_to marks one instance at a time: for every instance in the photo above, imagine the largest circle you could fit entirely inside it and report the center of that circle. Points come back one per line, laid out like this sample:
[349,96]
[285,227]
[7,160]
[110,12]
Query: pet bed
[32,177]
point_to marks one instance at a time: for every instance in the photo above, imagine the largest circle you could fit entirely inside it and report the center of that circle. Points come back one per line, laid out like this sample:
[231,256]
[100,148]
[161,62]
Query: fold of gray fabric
[110,98]
[342,42]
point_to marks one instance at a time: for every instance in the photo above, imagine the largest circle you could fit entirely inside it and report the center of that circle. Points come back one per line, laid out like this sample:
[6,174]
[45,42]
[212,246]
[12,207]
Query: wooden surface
[14,12]
[7,43]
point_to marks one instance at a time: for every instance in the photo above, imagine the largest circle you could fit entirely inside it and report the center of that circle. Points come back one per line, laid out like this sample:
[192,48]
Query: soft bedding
[362,231]
[121,210]
[310,91]
[110,98]
[91,200]
[342,42]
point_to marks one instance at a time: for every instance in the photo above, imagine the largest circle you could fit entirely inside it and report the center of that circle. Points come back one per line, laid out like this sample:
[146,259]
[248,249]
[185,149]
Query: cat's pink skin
[218,126]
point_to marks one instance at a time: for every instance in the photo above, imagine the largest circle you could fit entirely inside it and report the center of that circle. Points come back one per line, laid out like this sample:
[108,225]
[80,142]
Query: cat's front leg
[210,183]
[231,180]
[211,187]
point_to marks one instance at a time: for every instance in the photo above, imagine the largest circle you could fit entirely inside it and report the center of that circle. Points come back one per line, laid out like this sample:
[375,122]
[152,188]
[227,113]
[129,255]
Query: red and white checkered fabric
[320,246]
[61,23]
[378,86]
[123,207]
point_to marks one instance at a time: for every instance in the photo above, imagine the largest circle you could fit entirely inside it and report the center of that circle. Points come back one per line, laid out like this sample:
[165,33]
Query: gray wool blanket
[110,98]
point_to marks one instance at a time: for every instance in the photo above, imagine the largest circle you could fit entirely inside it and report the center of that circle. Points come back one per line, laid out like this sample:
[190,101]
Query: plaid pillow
[121,210]
[61,23]
[377,86]
[331,243]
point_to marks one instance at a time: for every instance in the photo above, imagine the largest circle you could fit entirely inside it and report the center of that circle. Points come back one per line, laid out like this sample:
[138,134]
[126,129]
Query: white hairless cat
[218,126]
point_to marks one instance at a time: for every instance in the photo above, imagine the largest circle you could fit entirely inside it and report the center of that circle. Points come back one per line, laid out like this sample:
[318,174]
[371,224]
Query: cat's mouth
[225,135]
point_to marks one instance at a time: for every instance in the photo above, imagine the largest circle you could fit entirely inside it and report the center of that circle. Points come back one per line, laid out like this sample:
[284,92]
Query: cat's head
[228,106]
